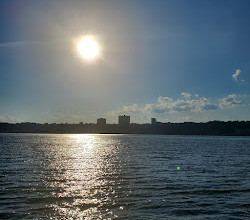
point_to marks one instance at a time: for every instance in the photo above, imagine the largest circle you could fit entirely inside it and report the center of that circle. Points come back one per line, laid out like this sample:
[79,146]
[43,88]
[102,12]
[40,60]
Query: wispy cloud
[15,44]
[126,109]
[186,95]
[130,108]
[231,101]
[236,74]
[186,104]
[167,104]
[9,119]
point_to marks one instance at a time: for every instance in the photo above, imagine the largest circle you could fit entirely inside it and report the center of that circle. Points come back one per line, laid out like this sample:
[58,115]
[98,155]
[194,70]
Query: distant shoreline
[219,135]
[213,128]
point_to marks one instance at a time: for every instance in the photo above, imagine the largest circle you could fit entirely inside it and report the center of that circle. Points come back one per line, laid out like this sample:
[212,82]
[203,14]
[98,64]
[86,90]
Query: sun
[88,48]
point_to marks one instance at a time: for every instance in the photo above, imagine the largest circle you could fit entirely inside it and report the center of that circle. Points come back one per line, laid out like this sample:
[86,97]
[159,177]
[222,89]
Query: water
[124,177]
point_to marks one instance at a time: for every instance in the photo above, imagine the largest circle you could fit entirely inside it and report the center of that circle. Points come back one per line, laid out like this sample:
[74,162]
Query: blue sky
[172,60]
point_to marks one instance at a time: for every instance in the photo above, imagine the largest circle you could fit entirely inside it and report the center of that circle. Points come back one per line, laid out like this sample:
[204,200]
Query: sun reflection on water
[84,183]
[122,176]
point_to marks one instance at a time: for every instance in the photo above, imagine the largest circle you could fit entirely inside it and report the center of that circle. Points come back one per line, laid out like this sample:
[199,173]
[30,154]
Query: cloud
[193,105]
[236,74]
[164,100]
[127,109]
[186,95]
[231,101]
[182,105]
[188,118]
[9,119]
[15,44]
[130,108]
[210,106]
[166,104]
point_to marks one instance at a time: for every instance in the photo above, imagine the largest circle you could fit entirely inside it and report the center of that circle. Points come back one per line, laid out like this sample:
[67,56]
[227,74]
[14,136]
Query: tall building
[124,120]
[153,121]
[101,121]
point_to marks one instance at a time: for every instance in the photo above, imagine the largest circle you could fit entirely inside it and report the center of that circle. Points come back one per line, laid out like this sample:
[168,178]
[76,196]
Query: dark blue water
[124,177]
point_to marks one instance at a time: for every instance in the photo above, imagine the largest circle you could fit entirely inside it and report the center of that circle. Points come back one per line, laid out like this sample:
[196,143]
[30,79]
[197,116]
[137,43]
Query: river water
[86,176]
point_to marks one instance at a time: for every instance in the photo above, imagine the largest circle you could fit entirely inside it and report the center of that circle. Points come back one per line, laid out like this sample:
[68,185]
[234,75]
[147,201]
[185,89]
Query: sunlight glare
[88,48]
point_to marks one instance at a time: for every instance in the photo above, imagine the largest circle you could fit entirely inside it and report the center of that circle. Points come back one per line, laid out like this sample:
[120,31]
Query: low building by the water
[124,120]
[101,121]
[153,121]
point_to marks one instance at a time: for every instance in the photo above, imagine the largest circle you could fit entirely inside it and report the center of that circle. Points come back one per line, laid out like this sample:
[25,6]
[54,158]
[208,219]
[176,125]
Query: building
[101,121]
[124,120]
[153,121]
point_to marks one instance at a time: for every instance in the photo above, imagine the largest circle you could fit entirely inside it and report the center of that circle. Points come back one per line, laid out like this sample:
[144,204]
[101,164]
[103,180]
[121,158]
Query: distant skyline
[172,60]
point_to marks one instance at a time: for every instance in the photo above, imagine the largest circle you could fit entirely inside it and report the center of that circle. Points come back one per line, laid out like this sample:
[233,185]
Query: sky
[174,60]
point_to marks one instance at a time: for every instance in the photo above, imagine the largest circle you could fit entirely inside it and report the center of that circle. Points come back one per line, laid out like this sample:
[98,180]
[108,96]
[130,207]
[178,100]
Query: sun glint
[88,48]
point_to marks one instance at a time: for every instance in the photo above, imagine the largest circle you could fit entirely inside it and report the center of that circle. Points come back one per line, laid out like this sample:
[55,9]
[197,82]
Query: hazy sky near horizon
[172,60]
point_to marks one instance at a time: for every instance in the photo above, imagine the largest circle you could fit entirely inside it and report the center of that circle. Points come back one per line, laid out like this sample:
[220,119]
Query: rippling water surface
[124,177]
